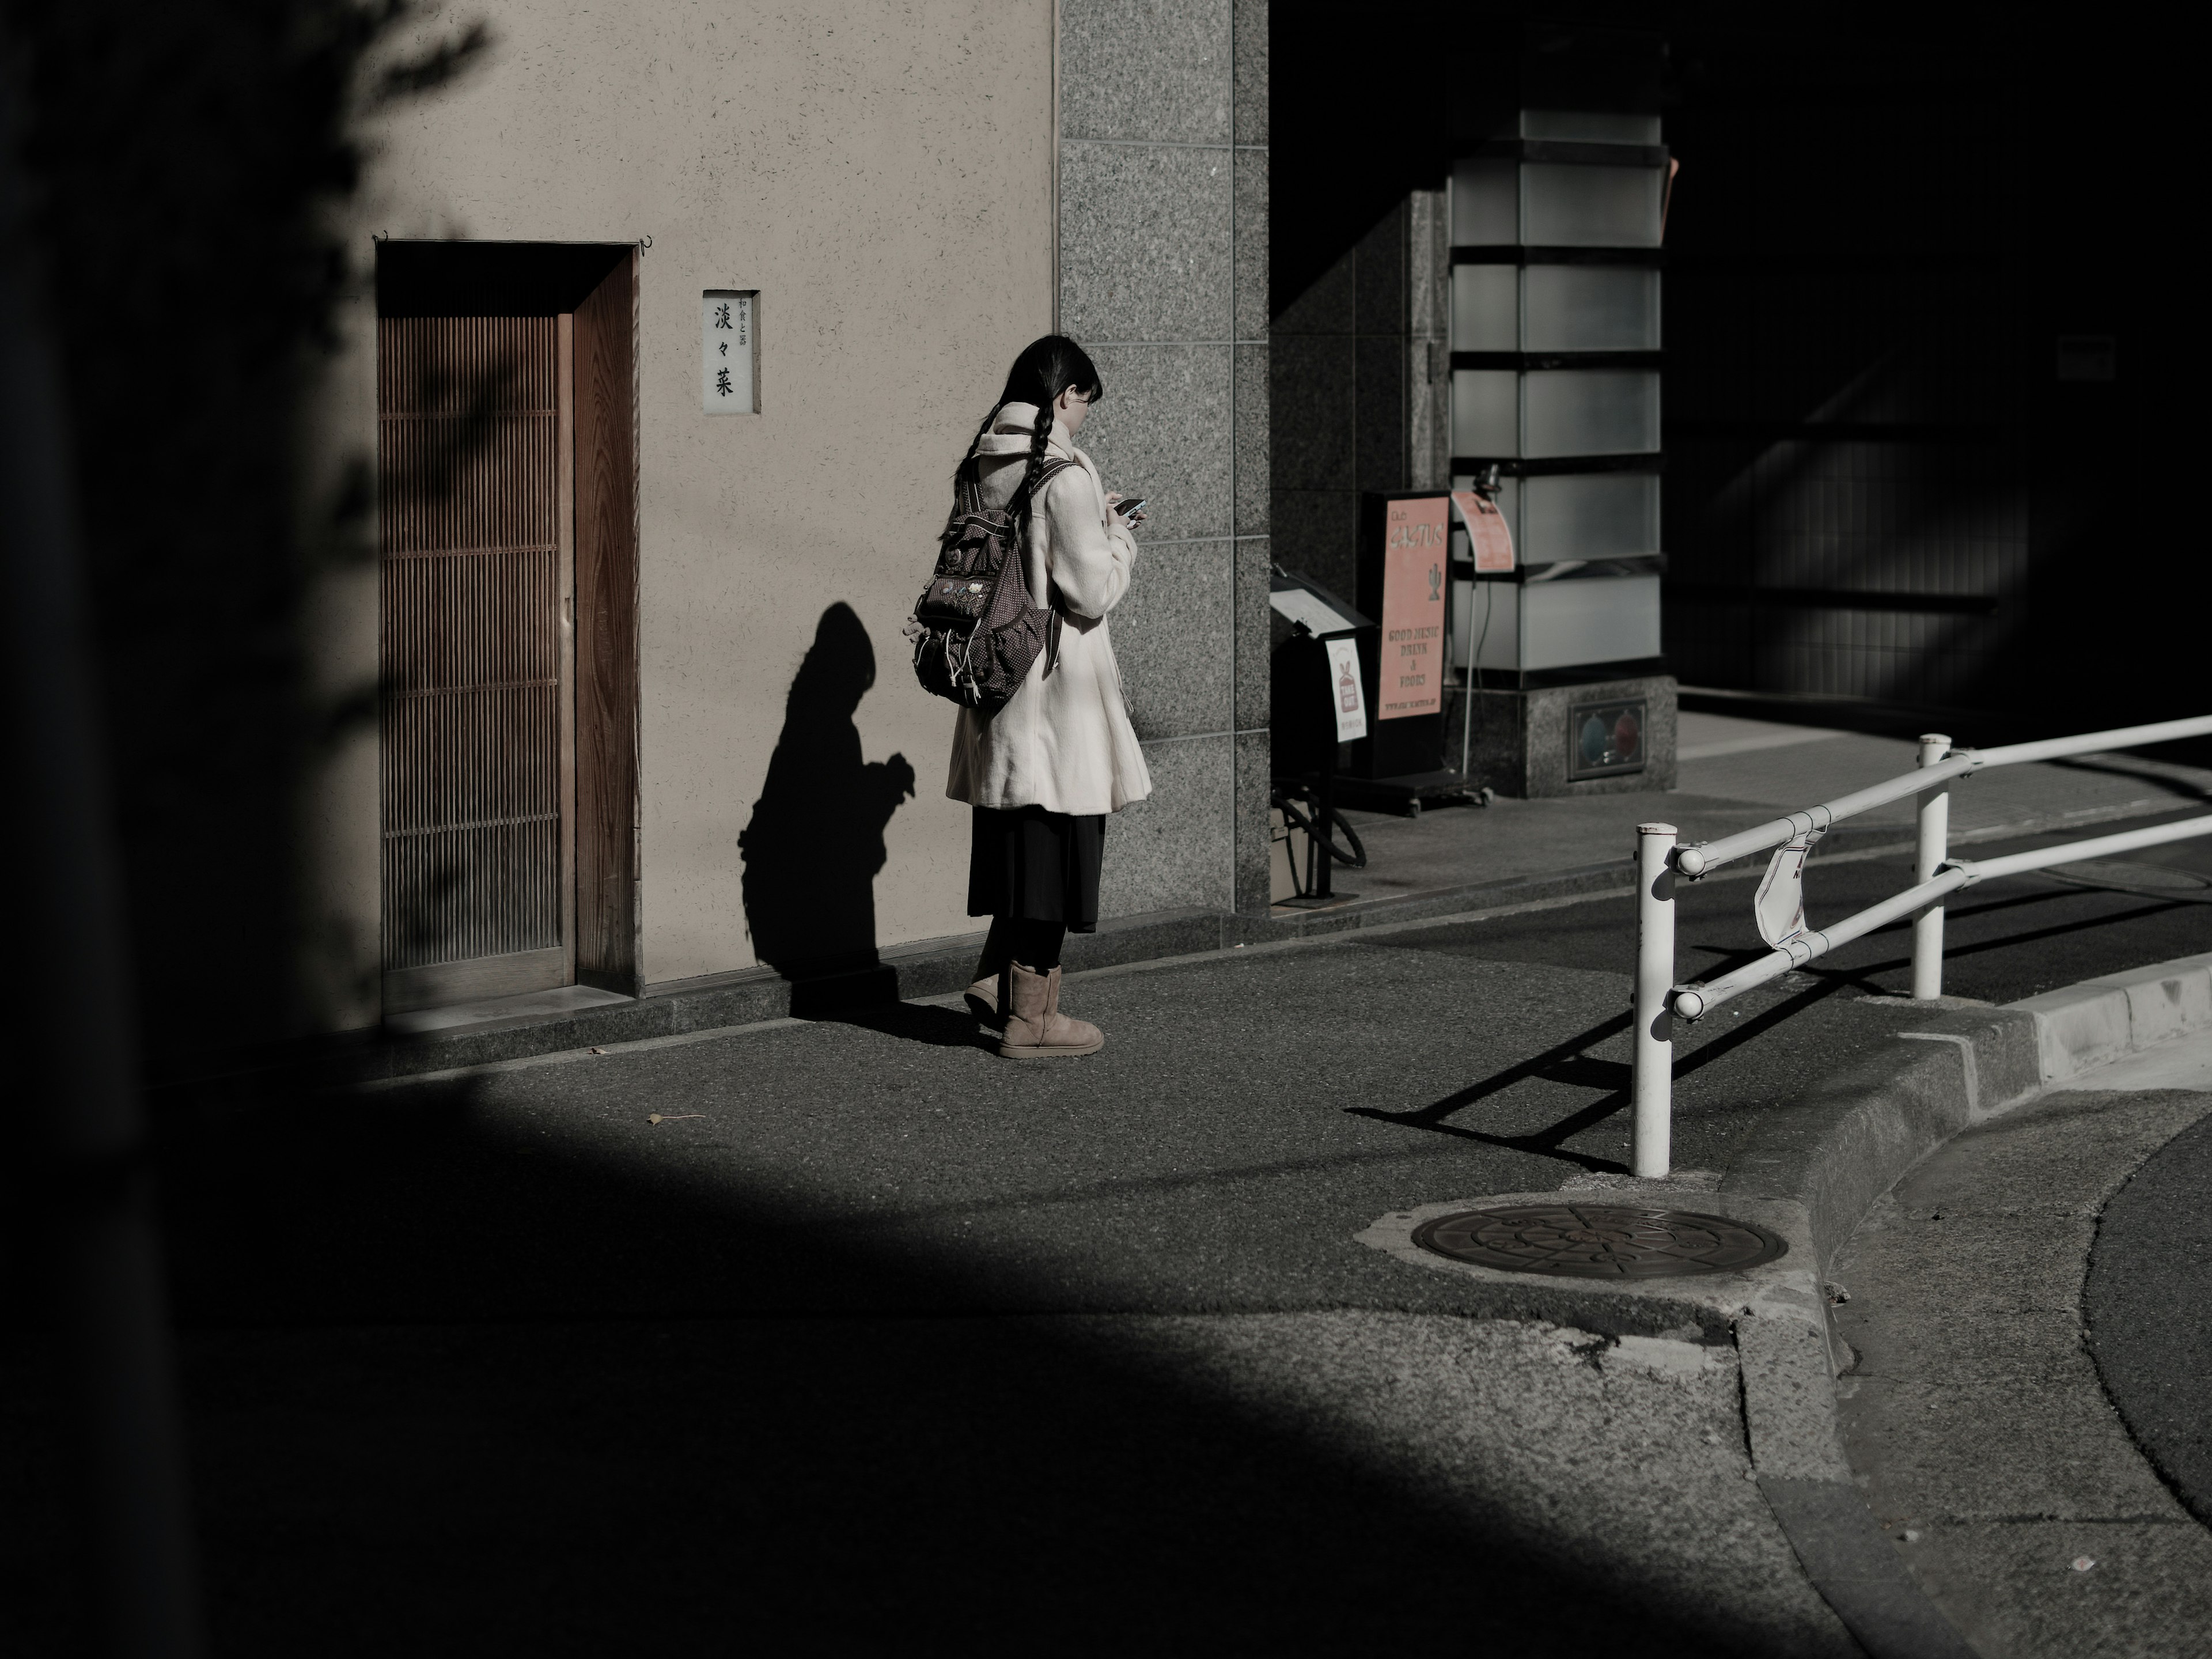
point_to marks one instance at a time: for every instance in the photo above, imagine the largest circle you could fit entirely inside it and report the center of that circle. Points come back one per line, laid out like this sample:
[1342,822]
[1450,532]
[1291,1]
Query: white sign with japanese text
[1343,686]
[726,350]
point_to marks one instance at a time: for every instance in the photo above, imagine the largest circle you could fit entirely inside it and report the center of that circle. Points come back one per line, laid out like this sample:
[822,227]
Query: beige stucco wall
[882,173]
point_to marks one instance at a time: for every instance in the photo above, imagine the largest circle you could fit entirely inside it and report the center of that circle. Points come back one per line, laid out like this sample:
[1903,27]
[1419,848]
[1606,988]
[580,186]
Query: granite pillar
[1163,190]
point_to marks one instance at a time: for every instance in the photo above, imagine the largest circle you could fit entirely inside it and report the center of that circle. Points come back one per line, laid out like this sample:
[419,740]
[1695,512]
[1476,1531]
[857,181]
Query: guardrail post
[1653,1069]
[1934,848]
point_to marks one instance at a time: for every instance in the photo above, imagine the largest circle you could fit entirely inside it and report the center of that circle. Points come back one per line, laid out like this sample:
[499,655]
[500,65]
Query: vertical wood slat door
[476,656]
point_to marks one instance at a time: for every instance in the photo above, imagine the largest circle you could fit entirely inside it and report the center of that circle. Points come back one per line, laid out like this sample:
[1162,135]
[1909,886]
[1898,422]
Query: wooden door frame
[591,291]
[565,518]
[607,870]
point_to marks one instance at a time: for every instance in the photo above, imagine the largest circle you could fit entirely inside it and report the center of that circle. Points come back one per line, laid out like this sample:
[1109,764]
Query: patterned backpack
[976,628]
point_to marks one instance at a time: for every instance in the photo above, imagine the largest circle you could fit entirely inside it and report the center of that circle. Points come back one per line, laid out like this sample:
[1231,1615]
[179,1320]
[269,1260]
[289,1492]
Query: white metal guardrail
[1779,907]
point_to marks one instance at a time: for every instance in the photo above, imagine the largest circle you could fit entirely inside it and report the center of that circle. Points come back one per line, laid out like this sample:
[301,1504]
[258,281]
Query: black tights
[1015,939]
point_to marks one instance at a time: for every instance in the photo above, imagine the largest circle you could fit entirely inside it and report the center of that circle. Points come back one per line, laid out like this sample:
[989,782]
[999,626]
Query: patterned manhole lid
[1599,1240]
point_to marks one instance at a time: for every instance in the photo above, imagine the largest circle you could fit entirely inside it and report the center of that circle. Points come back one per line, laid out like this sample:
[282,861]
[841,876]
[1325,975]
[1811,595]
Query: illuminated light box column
[1555,393]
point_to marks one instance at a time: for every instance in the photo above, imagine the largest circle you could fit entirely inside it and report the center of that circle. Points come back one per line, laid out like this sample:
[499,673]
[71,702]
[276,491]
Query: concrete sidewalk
[1734,773]
[1974,1411]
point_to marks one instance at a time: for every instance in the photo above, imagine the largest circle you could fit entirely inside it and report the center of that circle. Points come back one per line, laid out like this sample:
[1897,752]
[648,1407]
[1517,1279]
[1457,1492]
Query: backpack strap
[1051,469]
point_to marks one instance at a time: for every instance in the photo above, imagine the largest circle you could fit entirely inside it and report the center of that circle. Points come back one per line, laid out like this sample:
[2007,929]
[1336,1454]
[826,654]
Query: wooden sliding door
[474,423]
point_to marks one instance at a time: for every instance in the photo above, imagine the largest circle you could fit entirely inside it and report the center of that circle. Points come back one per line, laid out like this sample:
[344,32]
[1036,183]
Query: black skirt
[1037,866]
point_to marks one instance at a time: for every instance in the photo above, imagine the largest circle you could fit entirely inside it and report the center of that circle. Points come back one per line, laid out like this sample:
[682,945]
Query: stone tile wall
[1162,182]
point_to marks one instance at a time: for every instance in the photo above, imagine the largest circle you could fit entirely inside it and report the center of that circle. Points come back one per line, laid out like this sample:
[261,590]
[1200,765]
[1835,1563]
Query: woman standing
[1042,773]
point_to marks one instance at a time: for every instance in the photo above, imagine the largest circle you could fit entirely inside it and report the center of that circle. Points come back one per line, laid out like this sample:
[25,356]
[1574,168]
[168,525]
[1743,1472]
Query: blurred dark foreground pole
[81,1123]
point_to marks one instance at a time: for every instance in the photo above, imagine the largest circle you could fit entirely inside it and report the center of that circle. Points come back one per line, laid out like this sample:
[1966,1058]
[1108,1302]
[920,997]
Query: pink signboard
[1489,538]
[1414,550]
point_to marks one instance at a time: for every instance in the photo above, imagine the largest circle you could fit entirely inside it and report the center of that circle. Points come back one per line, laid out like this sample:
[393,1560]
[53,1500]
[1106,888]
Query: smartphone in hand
[1130,506]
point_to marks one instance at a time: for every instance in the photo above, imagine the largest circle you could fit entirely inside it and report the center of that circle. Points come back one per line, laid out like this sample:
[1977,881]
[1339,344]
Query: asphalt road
[873,1332]
[1249,1112]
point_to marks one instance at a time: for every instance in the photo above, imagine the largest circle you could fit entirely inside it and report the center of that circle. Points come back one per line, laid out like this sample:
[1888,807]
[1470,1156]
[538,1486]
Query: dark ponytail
[1046,368]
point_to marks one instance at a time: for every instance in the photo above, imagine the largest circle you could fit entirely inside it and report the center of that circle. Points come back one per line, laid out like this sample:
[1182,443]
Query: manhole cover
[1599,1240]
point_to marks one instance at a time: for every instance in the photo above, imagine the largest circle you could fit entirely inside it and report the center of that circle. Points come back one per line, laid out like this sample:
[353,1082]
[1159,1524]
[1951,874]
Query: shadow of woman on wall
[816,840]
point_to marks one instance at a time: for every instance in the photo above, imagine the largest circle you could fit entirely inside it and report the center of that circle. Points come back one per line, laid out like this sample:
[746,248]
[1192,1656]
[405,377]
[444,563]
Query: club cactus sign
[1605,739]
[1416,549]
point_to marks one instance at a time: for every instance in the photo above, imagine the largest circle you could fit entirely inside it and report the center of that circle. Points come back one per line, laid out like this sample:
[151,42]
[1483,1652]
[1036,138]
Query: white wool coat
[1063,741]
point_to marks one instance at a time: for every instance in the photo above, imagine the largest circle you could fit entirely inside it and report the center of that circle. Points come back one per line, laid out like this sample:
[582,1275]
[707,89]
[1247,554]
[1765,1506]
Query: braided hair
[1040,435]
[1046,368]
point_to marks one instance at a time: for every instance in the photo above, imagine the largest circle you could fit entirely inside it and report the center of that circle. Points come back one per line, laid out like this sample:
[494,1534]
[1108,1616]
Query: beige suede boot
[1036,1028]
[983,1000]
